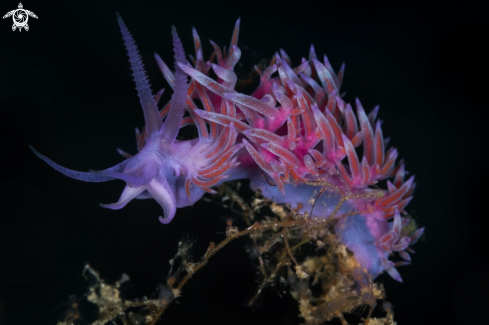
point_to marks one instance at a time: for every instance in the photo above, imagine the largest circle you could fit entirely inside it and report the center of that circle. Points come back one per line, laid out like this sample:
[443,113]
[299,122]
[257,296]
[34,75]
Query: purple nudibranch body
[294,128]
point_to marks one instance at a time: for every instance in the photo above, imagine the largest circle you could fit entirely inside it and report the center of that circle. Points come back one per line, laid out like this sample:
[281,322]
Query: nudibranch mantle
[295,138]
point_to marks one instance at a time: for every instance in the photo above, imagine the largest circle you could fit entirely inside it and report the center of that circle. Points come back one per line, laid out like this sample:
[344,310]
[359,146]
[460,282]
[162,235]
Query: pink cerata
[293,134]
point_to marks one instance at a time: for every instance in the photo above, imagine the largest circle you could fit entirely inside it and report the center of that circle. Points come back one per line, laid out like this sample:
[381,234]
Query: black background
[66,89]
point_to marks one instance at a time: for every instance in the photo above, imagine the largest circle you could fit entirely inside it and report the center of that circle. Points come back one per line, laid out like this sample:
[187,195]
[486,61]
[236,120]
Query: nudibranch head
[161,168]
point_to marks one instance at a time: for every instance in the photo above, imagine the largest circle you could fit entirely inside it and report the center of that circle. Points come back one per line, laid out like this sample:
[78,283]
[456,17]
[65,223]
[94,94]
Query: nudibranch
[290,137]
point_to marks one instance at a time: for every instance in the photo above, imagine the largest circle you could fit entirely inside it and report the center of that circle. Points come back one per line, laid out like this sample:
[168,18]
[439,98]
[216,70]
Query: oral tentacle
[147,173]
[81,176]
[160,190]
[127,195]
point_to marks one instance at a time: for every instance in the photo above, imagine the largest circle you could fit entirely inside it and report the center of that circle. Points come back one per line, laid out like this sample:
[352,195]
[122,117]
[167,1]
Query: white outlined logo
[20,17]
